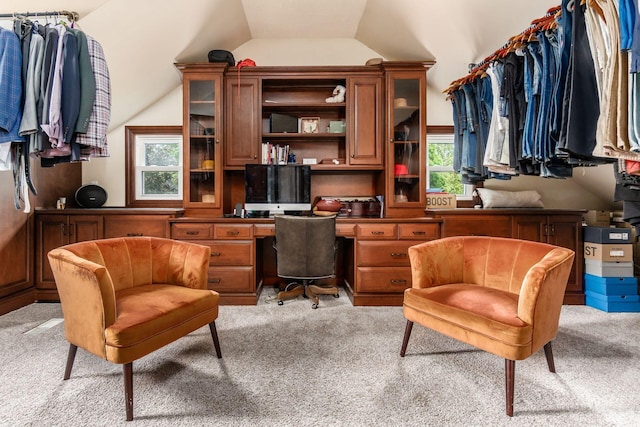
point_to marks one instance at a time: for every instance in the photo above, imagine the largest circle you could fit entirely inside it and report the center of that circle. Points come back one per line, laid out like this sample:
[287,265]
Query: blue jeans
[532,77]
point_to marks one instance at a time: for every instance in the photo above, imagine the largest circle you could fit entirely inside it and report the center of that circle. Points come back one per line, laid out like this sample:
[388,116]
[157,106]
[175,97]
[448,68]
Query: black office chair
[305,251]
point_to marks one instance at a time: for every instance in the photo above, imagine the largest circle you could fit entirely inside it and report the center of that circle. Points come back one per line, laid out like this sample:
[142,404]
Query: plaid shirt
[95,140]
[10,86]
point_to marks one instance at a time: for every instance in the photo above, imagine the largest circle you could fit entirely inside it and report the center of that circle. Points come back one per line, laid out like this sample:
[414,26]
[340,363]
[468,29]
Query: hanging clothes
[55,99]
[10,95]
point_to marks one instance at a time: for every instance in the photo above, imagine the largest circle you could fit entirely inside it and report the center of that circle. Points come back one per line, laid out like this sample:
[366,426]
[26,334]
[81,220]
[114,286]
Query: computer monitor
[277,189]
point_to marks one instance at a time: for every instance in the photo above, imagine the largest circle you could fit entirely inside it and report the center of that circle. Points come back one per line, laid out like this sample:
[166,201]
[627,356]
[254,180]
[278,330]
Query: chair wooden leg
[407,334]
[214,335]
[127,371]
[71,356]
[549,354]
[510,370]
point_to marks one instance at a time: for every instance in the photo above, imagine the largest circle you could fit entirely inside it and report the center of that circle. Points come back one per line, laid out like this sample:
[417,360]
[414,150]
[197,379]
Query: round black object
[91,196]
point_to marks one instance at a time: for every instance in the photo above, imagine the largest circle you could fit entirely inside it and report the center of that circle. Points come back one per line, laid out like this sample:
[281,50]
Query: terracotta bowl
[328,205]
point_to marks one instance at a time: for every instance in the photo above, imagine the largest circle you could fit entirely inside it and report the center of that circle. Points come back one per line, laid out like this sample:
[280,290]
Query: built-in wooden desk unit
[373,264]
[372,258]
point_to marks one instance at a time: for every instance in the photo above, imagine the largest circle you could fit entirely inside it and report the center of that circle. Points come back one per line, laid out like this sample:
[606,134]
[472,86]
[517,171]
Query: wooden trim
[440,129]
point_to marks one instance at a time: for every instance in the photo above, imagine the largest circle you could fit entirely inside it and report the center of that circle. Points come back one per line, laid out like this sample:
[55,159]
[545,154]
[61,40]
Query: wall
[582,191]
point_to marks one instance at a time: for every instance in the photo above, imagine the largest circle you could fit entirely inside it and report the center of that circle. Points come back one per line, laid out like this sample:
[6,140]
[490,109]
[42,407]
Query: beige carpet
[336,366]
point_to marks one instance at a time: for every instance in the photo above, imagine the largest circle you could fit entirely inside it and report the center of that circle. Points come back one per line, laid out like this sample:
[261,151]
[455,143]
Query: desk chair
[500,295]
[305,251]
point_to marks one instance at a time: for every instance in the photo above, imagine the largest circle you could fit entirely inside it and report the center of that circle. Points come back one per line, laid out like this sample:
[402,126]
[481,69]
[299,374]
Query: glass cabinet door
[203,133]
[406,152]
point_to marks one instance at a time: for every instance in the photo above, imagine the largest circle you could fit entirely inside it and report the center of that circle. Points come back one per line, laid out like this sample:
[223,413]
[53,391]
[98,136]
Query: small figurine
[338,94]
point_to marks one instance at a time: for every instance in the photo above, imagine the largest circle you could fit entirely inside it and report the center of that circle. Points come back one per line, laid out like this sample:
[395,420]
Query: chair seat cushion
[145,313]
[463,310]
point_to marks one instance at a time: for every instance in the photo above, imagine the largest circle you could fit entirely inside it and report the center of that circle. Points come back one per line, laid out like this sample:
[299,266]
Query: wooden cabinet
[202,136]
[242,122]
[381,260]
[559,230]
[232,270]
[287,107]
[136,225]
[555,226]
[477,225]
[295,114]
[55,230]
[365,107]
[406,136]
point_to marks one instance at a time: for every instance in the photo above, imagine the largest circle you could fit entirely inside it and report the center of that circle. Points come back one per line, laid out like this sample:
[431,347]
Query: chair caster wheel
[280,302]
[314,306]
[336,295]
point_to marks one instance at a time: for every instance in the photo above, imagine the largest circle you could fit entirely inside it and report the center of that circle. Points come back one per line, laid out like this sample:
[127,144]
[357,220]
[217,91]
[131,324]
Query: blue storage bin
[613,303]
[611,285]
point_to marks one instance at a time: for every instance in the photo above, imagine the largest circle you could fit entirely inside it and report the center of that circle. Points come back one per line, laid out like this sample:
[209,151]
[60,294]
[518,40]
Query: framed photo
[310,124]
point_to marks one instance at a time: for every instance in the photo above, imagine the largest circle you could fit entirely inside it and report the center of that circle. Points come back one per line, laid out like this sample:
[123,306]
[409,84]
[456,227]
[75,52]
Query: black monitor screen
[277,187]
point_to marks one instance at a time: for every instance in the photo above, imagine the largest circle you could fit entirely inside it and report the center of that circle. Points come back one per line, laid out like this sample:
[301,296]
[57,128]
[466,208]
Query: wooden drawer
[383,254]
[421,232]
[477,225]
[231,279]
[191,231]
[264,230]
[233,231]
[136,225]
[378,231]
[345,230]
[388,279]
[230,252]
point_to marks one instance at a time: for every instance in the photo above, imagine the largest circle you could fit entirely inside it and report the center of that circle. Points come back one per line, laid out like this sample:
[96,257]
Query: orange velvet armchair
[123,298]
[500,295]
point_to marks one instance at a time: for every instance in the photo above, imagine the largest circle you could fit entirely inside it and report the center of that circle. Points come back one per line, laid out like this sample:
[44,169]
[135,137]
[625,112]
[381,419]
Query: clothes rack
[72,16]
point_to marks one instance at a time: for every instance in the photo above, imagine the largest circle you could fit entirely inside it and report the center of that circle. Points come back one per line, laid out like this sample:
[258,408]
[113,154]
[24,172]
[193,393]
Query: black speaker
[91,196]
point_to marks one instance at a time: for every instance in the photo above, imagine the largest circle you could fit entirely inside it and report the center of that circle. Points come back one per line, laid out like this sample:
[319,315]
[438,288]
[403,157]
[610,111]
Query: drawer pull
[398,282]
[233,233]
[216,253]
[398,254]
[134,234]
[193,233]
[419,233]
[378,233]
[216,281]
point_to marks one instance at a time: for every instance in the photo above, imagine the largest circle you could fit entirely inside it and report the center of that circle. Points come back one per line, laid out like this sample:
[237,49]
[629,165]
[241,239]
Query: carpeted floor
[336,366]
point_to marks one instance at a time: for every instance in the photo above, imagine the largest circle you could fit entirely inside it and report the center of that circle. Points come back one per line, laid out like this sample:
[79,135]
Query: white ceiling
[142,39]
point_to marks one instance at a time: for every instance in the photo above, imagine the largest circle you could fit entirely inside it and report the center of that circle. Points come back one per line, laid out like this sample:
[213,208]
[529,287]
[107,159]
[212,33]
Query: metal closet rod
[72,16]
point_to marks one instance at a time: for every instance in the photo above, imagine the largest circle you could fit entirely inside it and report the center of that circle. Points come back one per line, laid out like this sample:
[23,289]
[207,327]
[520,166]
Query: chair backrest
[305,246]
[134,261]
[495,262]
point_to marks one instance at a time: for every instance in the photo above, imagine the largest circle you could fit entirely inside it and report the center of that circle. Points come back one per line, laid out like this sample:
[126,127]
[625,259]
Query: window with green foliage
[154,165]
[441,176]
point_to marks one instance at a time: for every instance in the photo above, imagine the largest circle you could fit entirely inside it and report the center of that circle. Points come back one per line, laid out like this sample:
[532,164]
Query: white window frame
[141,143]
[445,138]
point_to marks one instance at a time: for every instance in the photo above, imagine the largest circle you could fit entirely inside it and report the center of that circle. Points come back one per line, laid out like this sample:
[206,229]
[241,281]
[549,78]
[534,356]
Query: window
[441,176]
[154,166]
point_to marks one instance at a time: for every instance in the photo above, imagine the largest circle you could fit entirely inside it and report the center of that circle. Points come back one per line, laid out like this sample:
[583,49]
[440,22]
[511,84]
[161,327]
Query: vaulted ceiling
[145,37]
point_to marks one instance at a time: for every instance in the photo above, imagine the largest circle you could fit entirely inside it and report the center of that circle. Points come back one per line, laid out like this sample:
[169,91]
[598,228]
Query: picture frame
[310,124]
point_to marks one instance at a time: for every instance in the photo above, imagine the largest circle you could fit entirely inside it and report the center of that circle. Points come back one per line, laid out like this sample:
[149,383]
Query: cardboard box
[606,235]
[611,285]
[441,201]
[613,303]
[597,218]
[608,269]
[608,252]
